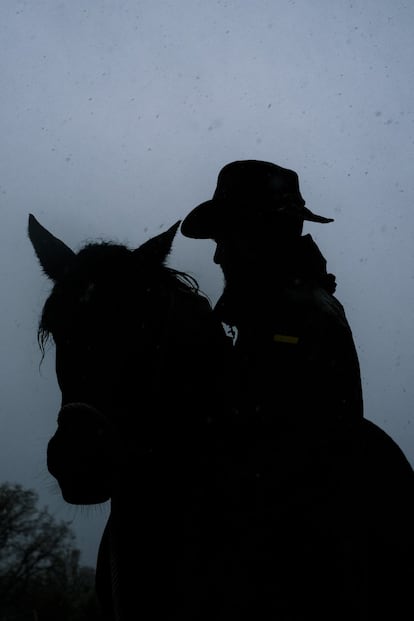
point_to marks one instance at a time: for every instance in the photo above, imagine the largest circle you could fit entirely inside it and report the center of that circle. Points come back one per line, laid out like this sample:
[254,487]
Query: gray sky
[116,117]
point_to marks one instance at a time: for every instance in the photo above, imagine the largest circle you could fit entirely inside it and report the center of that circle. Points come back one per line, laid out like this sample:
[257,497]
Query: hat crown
[244,180]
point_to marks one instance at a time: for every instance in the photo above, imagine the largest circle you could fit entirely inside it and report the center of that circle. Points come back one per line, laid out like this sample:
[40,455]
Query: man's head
[252,198]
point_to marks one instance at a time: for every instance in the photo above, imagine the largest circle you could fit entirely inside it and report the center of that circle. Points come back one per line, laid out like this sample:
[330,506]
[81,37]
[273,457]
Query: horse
[138,359]
[147,421]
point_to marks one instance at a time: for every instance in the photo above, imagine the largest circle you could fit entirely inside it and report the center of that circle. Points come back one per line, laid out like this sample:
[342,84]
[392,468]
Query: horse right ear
[158,248]
[53,255]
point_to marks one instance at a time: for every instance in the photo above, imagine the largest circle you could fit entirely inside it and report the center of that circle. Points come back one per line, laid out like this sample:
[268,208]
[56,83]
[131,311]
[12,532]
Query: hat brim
[208,218]
[313,217]
[203,221]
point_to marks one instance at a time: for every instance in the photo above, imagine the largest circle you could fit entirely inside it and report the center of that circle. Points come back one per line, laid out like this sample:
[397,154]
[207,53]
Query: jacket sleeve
[333,351]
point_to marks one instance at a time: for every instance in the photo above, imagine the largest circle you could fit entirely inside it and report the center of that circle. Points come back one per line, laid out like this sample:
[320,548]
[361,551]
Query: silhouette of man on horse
[301,443]
[276,499]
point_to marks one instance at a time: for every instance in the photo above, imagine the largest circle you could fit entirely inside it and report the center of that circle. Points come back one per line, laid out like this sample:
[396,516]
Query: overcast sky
[116,117]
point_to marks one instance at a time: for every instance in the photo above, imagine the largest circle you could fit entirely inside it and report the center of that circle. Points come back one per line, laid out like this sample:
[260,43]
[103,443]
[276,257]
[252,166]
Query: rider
[297,396]
[298,362]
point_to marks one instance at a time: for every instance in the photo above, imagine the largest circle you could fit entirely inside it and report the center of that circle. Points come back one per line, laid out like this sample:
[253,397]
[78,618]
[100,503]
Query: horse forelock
[109,275]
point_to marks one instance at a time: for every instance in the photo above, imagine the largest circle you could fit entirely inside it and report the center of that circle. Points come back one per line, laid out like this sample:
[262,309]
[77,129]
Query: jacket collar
[304,264]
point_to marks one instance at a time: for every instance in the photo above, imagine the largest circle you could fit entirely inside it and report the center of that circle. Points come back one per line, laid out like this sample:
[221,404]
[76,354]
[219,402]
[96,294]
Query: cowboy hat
[243,188]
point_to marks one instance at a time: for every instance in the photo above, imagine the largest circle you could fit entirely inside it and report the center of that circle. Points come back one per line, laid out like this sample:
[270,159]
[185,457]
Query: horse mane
[114,265]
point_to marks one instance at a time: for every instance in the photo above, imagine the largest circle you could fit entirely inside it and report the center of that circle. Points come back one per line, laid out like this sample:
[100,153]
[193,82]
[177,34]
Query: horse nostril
[79,454]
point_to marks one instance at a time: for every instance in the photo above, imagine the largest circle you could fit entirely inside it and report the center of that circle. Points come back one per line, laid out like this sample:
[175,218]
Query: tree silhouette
[40,576]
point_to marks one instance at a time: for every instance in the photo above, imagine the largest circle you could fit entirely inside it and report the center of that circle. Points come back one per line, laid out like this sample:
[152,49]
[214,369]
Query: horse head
[118,318]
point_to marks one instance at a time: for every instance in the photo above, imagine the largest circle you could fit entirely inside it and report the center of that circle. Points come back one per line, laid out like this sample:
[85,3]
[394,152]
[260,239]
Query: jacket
[295,358]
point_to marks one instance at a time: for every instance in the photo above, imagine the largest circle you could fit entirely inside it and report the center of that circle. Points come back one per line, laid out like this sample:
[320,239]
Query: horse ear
[54,256]
[158,248]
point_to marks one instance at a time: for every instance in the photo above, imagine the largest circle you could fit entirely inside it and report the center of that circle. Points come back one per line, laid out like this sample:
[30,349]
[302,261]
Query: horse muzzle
[79,454]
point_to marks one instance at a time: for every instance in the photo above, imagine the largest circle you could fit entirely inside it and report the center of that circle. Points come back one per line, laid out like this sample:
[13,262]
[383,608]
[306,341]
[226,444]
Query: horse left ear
[54,256]
[159,247]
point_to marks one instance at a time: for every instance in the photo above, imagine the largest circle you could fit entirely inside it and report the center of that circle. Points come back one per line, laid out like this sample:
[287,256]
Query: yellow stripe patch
[285,338]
